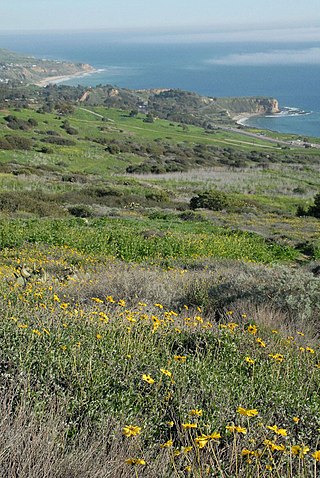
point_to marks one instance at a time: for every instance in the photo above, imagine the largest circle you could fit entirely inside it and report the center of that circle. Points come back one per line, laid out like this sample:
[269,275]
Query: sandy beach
[243,117]
[59,79]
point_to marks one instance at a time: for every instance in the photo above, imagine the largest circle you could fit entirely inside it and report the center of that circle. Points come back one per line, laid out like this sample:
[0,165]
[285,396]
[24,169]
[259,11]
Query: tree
[149,118]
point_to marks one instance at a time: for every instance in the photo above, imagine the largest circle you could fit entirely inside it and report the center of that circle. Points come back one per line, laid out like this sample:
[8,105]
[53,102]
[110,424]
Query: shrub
[214,200]
[16,142]
[58,140]
[157,196]
[314,210]
[80,211]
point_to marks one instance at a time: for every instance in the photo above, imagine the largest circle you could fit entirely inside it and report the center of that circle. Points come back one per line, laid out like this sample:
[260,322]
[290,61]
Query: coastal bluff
[22,69]
[179,105]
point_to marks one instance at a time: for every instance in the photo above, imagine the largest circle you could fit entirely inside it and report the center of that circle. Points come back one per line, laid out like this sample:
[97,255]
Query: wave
[289,111]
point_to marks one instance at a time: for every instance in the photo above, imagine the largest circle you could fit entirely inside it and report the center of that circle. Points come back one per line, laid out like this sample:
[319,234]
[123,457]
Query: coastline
[243,117]
[50,80]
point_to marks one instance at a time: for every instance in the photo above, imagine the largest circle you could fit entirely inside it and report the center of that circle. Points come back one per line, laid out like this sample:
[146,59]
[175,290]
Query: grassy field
[140,337]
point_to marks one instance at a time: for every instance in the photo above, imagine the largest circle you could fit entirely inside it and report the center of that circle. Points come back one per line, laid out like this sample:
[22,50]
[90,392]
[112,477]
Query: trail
[96,114]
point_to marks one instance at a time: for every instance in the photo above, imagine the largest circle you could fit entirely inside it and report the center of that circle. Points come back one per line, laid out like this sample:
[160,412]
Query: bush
[213,200]
[58,140]
[35,203]
[314,210]
[80,211]
[15,142]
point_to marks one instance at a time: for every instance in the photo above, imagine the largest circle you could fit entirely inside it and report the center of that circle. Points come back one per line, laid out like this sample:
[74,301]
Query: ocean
[289,72]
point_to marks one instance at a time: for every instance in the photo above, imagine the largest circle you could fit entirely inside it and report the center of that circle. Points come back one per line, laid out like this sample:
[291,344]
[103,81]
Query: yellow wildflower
[122,303]
[246,452]
[186,449]
[247,412]
[180,358]
[274,446]
[167,444]
[97,300]
[98,336]
[296,419]
[260,342]
[316,455]
[235,428]
[249,360]
[252,329]
[131,430]
[232,326]
[310,350]
[186,426]
[202,440]
[166,372]
[300,450]
[110,299]
[277,357]
[148,379]
[195,413]
[278,431]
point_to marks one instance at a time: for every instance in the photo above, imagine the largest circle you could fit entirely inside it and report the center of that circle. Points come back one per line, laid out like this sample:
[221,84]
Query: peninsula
[22,69]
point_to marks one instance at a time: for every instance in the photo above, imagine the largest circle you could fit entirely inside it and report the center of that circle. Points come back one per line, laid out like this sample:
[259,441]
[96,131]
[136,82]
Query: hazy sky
[209,15]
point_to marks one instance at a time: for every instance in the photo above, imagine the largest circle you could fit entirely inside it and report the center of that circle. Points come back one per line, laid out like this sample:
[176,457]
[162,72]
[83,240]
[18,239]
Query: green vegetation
[160,295]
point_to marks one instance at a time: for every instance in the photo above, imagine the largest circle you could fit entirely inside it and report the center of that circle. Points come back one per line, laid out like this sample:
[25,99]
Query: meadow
[141,337]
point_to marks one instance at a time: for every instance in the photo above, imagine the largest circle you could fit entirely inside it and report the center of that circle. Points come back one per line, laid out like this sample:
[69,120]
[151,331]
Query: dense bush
[213,199]
[35,203]
[313,210]
[15,142]
[17,123]
[58,140]
[80,211]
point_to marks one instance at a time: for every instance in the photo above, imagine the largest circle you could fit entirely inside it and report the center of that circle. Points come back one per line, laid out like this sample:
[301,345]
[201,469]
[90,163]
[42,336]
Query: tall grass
[84,358]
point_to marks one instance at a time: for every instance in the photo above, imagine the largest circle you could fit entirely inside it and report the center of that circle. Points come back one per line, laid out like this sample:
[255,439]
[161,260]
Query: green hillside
[159,292]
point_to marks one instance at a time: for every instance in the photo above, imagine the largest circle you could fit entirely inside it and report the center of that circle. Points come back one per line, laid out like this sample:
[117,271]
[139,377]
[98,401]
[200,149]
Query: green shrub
[80,211]
[213,199]
[314,210]
[17,142]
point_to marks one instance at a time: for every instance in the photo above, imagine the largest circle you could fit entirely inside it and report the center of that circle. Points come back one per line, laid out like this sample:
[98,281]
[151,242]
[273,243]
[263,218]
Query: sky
[198,17]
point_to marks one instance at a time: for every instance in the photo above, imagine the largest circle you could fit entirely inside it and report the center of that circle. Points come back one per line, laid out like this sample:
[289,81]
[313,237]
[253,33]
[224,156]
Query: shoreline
[51,80]
[243,117]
